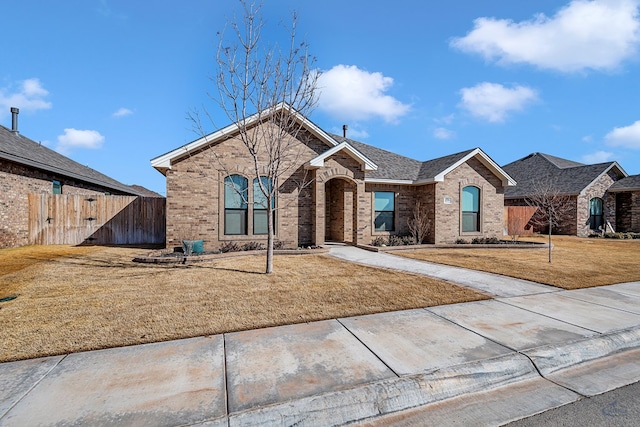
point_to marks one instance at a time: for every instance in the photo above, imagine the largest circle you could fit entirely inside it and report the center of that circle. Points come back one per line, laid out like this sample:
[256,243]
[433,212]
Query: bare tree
[552,205]
[264,91]
[419,224]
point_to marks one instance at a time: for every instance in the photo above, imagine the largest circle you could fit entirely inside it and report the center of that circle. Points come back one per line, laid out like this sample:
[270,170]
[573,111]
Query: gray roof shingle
[629,183]
[397,167]
[20,149]
[567,177]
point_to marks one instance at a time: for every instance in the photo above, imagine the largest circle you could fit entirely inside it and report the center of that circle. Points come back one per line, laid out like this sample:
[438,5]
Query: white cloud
[587,138]
[122,112]
[627,136]
[447,120]
[354,94]
[597,157]
[29,96]
[493,102]
[585,34]
[443,133]
[75,138]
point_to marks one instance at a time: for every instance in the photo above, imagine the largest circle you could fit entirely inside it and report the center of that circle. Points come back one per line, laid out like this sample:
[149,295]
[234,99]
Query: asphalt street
[619,408]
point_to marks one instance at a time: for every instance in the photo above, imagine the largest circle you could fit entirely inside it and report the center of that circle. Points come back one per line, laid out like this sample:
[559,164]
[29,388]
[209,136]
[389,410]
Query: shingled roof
[20,149]
[567,176]
[629,183]
[394,167]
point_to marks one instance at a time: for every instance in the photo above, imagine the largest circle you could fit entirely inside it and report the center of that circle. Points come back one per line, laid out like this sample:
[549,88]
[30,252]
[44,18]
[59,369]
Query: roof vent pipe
[344,130]
[14,119]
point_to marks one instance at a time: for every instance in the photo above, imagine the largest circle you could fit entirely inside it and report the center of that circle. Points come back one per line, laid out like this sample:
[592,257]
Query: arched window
[260,204]
[596,220]
[236,195]
[470,209]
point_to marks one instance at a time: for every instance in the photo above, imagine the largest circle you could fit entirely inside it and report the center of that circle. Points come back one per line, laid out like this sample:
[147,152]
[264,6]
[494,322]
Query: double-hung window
[260,203]
[384,210]
[236,195]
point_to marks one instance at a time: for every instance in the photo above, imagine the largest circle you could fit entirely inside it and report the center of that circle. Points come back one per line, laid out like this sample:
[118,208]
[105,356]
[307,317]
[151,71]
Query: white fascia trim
[389,181]
[163,162]
[318,162]
[486,160]
[611,166]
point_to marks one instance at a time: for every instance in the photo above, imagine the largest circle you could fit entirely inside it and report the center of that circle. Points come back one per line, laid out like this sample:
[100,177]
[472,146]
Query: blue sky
[110,83]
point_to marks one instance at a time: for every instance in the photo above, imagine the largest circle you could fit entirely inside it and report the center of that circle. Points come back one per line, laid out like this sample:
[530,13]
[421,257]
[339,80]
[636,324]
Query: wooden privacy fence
[517,220]
[61,219]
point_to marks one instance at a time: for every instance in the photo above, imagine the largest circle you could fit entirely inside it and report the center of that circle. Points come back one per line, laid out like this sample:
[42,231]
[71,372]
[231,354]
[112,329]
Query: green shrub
[461,242]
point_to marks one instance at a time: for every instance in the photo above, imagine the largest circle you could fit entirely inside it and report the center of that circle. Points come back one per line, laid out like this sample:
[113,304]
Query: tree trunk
[549,242]
[269,267]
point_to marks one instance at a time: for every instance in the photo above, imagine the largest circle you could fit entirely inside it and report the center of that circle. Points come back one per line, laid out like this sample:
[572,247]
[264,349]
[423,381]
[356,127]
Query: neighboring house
[592,206]
[28,167]
[356,193]
[626,194]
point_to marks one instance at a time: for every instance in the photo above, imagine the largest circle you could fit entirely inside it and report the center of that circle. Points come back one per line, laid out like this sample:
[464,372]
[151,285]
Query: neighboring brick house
[28,167]
[625,193]
[357,192]
[593,207]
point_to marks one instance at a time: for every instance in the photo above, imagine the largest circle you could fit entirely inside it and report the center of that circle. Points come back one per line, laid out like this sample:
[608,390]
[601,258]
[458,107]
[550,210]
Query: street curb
[388,396]
[550,359]
[373,400]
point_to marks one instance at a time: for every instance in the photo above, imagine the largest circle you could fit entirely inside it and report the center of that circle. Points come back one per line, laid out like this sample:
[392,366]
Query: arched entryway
[340,210]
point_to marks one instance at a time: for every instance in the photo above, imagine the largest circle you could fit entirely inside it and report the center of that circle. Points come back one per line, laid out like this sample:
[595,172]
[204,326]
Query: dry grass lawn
[73,299]
[577,262]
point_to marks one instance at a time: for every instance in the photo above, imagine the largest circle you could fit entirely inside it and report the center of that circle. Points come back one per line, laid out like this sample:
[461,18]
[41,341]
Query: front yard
[577,262]
[71,299]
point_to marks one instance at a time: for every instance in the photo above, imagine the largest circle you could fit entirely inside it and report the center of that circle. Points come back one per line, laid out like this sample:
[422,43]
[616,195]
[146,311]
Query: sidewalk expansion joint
[368,348]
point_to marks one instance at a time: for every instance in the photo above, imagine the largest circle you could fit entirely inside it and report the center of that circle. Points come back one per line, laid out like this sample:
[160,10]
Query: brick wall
[448,215]
[16,181]
[195,194]
[597,189]
[628,211]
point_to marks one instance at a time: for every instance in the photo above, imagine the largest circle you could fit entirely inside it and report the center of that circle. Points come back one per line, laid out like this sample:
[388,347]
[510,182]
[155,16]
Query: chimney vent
[14,119]
[344,130]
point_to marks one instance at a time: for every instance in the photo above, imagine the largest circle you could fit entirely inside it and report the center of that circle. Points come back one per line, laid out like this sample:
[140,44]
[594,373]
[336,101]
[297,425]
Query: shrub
[253,246]
[461,242]
[408,240]
[485,241]
[395,241]
[278,244]
[379,241]
[230,247]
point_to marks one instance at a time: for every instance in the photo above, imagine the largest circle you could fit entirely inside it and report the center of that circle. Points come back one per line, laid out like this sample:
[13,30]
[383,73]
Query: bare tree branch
[257,80]
[552,206]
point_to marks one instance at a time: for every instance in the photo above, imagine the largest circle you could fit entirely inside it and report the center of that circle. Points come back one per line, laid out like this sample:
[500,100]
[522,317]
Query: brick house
[588,186]
[625,193]
[356,192]
[28,167]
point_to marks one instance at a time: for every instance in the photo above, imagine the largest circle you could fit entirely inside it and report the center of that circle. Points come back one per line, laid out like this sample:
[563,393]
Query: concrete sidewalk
[492,284]
[481,363]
